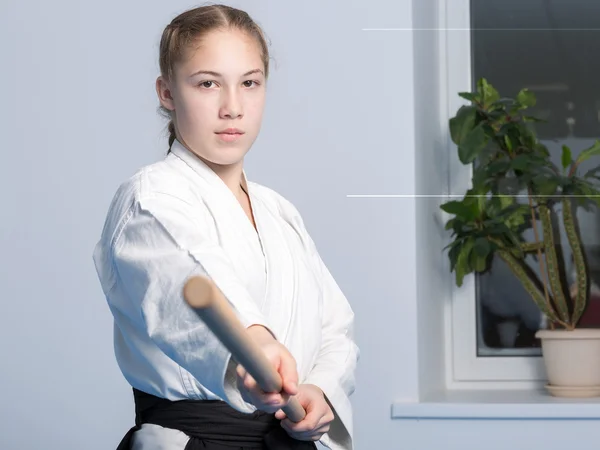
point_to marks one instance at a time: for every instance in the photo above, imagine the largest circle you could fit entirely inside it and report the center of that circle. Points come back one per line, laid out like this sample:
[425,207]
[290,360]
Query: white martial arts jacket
[177,218]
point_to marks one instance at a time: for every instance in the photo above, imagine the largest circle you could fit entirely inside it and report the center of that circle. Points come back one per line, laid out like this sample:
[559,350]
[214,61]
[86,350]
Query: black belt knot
[206,421]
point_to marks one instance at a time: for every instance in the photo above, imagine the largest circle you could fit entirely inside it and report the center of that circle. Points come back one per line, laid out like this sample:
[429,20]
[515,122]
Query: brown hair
[189,27]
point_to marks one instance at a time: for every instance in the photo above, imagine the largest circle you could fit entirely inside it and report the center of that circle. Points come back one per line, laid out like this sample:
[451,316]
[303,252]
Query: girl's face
[218,96]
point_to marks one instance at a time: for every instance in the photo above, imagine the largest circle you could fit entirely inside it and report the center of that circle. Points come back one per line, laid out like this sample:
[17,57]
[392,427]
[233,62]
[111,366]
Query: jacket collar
[200,167]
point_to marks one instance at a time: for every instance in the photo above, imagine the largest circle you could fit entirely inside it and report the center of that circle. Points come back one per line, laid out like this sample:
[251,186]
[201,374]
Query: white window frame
[465,368]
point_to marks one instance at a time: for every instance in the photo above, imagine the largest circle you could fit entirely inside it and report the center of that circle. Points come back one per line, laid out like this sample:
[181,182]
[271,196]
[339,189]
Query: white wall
[80,115]
[345,115]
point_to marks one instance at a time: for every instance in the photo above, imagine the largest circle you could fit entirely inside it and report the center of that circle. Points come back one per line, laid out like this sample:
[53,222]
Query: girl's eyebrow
[216,74]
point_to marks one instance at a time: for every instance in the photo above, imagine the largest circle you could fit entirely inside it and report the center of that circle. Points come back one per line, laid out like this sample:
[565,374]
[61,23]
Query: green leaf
[482,247]
[466,209]
[478,263]
[456,224]
[497,167]
[545,185]
[585,191]
[505,200]
[526,136]
[510,217]
[462,124]
[481,201]
[518,217]
[533,119]
[476,199]
[488,93]
[463,267]
[541,148]
[455,249]
[503,103]
[480,177]
[455,207]
[594,150]
[497,230]
[472,145]
[547,188]
[526,98]
[496,116]
[566,156]
[497,204]
[521,162]
[513,241]
[469,96]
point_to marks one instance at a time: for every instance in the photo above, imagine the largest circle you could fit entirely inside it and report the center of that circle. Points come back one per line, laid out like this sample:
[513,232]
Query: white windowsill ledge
[498,405]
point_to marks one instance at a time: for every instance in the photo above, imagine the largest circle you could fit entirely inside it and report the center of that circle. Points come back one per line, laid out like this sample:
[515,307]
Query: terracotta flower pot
[572,360]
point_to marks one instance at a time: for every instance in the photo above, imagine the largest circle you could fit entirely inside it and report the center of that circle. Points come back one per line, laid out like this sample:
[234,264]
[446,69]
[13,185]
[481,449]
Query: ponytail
[172,135]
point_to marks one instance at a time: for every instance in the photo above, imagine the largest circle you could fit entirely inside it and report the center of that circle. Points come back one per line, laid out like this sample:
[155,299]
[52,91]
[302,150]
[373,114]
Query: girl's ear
[163,90]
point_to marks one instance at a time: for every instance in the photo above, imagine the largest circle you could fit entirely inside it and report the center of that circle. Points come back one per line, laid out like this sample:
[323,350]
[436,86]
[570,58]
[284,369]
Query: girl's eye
[209,84]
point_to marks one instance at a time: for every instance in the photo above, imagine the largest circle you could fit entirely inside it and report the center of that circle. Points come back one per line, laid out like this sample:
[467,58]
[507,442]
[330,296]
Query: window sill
[498,405]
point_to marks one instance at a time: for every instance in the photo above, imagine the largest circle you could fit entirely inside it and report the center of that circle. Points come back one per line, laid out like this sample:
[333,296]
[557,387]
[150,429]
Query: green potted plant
[515,187]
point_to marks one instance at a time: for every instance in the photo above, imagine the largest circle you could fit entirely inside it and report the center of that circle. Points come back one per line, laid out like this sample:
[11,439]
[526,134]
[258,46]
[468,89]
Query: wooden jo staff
[207,300]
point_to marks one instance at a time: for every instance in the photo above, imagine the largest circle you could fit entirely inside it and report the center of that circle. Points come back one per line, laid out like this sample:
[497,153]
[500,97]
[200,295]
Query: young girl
[195,212]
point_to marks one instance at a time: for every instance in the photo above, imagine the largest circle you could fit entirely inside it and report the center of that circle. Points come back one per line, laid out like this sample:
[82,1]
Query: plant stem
[573,169]
[571,229]
[520,269]
[532,247]
[539,253]
[551,259]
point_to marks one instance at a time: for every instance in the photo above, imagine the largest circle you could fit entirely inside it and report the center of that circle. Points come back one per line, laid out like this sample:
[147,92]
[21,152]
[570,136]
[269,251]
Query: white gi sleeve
[334,370]
[160,246]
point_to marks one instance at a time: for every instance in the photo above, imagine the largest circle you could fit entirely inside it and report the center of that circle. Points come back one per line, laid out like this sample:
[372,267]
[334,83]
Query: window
[550,47]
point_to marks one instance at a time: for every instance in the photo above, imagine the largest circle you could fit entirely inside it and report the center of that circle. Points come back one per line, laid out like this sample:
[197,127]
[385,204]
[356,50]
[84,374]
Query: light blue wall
[80,115]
